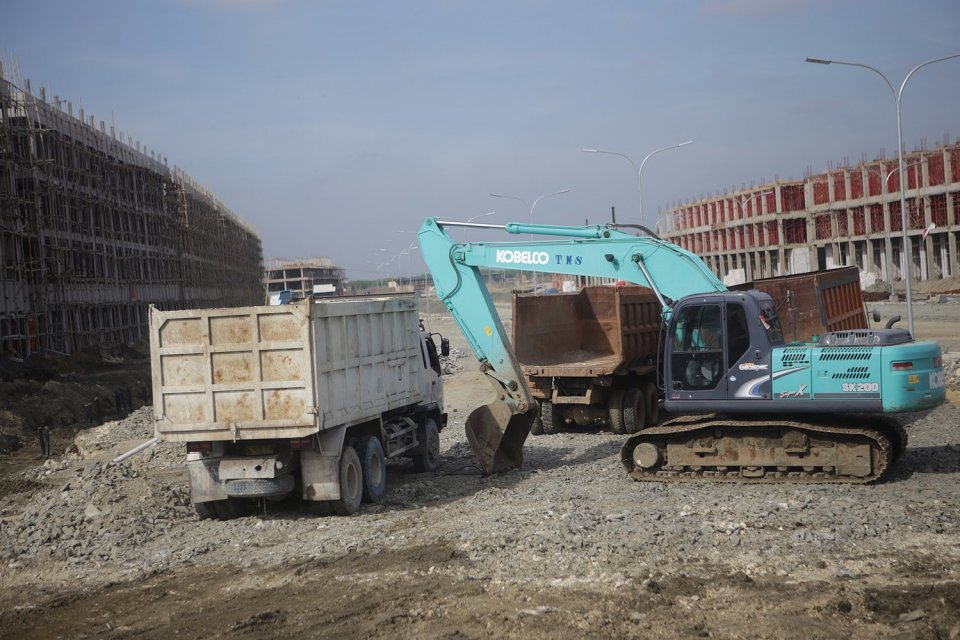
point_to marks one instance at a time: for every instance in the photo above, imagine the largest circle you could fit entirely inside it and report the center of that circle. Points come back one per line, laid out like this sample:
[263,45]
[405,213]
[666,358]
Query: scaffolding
[93,230]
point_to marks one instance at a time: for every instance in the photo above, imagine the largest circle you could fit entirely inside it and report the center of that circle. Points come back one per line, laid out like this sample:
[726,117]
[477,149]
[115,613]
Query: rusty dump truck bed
[810,304]
[600,330]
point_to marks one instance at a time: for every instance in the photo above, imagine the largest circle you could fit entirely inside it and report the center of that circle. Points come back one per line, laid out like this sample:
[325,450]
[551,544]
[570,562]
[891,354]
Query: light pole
[897,97]
[639,170]
[742,203]
[532,207]
[482,215]
[535,202]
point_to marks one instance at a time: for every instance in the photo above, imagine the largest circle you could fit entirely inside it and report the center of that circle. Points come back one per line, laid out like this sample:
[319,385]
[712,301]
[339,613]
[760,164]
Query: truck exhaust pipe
[496,436]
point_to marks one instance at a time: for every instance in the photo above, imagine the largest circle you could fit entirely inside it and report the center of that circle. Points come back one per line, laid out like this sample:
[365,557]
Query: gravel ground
[566,546]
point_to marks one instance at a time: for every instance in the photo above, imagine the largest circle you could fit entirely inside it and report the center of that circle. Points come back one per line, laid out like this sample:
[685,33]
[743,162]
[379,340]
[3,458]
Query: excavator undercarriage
[850,449]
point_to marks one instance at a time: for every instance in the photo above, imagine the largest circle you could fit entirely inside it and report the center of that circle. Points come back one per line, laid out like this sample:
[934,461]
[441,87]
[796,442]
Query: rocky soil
[565,547]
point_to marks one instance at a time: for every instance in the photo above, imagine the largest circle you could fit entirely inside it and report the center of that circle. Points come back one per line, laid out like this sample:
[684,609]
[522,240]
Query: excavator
[749,406]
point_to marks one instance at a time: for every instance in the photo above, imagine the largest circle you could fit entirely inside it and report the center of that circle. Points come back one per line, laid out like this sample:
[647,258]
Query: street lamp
[482,215]
[639,170]
[535,202]
[532,207]
[742,203]
[897,97]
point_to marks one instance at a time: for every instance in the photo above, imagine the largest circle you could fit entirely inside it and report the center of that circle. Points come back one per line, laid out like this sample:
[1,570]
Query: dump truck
[309,398]
[590,357]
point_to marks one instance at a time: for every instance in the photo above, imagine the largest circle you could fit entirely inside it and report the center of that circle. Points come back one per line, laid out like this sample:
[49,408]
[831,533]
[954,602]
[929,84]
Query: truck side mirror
[444,347]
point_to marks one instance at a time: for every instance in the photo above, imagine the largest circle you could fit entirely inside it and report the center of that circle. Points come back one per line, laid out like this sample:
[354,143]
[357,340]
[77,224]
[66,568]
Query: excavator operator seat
[698,346]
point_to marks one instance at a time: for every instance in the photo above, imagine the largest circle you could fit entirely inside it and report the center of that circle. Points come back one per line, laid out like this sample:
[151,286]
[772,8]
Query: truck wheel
[429,459]
[651,403]
[374,468]
[615,409]
[551,417]
[634,410]
[537,427]
[351,483]
[205,510]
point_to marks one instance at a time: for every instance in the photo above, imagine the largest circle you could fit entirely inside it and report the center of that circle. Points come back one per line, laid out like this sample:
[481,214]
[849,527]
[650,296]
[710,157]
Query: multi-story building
[844,216]
[94,229]
[303,278]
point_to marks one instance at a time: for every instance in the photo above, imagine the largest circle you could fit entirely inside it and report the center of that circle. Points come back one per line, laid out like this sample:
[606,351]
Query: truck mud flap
[496,436]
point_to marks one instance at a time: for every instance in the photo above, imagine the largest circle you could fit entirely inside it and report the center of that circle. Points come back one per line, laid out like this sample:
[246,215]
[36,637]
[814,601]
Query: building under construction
[303,278]
[94,229]
[845,216]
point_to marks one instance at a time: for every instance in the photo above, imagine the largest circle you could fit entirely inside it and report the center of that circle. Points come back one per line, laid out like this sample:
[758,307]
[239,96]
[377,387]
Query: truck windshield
[771,322]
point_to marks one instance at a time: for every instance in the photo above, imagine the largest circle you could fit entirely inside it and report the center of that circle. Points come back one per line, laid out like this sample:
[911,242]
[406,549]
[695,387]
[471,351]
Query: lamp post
[482,215]
[639,170]
[897,98]
[742,203]
[532,208]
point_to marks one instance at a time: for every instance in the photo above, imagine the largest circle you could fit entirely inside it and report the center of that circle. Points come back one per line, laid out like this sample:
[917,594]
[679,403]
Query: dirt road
[566,547]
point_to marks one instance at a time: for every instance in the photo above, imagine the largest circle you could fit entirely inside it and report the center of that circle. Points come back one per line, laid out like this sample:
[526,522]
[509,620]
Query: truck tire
[615,409]
[634,410]
[651,403]
[551,417]
[429,457]
[537,427]
[351,483]
[374,468]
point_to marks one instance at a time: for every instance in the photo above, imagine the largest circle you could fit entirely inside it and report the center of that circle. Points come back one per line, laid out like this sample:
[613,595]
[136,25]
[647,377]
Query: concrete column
[952,251]
[889,274]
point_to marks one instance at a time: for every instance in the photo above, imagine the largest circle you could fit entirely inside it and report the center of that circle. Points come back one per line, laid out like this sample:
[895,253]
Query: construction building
[303,278]
[844,216]
[94,230]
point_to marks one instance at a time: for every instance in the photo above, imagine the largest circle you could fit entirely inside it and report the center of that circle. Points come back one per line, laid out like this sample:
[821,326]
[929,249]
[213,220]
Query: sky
[335,127]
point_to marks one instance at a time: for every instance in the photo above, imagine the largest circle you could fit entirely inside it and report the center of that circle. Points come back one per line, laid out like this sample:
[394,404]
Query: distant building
[844,216]
[303,278]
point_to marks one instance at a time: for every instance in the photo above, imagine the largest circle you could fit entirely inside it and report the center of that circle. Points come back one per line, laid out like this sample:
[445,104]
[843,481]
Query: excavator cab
[716,342]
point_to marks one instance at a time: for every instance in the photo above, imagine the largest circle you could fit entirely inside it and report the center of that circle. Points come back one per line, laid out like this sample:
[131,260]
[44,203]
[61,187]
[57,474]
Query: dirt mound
[85,507]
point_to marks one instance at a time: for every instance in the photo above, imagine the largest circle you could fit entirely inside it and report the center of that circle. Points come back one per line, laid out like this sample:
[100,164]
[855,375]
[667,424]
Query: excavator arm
[497,431]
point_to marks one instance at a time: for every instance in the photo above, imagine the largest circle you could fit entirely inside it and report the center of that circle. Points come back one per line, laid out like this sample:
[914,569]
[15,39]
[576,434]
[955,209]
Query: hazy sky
[331,125]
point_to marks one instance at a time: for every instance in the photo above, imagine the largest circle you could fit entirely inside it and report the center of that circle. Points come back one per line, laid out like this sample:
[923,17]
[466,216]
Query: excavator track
[852,449]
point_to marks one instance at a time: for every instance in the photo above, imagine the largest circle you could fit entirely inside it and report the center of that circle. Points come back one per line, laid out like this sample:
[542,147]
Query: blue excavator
[749,406]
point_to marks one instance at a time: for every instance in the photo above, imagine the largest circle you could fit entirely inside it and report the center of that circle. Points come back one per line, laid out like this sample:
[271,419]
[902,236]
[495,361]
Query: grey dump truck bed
[282,371]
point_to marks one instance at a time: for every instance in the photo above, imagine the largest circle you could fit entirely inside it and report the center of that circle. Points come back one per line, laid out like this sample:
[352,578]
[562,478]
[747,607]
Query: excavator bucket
[496,436]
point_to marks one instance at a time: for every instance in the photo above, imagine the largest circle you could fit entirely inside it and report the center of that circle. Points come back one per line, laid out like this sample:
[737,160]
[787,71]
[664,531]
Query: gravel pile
[449,365]
[951,371]
[91,509]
